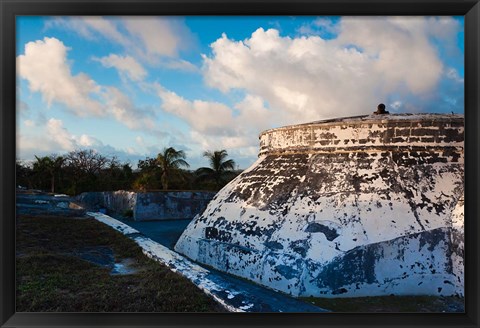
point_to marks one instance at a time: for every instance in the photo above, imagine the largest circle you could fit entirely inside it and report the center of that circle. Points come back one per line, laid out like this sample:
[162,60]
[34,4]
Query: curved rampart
[360,206]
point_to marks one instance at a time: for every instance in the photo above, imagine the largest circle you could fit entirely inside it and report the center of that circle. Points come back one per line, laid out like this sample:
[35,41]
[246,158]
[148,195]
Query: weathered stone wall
[170,205]
[406,133]
[113,201]
[39,203]
[157,205]
[369,205]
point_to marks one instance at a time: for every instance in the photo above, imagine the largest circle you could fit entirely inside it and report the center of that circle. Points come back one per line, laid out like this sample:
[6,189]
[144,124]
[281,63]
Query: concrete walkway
[236,295]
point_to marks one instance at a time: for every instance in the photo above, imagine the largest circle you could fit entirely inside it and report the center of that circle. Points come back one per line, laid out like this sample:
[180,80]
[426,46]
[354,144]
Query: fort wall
[369,205]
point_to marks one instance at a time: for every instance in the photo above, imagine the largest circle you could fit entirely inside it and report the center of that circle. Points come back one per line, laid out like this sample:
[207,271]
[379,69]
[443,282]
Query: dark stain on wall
[330,233]
[287,271]
[275,245]
[220,235]
[300,246]
[358,264]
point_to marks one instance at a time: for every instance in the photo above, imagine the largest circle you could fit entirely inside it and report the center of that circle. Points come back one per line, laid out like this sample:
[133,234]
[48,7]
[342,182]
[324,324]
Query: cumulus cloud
[324,26]
[216,126]
[253,116]
[158,35]
[55,138]
[149,38]
[58,133]
[89,27]
[45,66]
[399,50]
[309,78]
[86,141]
[211,118]
[125,111]
[126,66]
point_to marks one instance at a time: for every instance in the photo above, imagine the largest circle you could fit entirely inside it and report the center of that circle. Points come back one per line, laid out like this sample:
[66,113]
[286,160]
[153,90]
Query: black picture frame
[470,9]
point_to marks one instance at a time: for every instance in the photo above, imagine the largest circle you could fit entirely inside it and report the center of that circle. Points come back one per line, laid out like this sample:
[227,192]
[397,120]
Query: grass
[390,304]
[51,277]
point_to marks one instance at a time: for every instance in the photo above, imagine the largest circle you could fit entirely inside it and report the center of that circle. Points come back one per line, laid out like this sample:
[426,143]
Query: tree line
[87,170]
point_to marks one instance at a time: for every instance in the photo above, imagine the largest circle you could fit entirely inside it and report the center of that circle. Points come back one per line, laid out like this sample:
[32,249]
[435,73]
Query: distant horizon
[131,86]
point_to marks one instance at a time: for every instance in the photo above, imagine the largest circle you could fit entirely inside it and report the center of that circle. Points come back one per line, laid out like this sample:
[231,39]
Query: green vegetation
[170,162]
[390,304]
[52,275]
[86,170]
[220,171]
[50,165]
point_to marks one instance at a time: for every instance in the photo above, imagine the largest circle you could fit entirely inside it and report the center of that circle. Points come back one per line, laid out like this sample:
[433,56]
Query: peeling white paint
[322,192]
[115,224]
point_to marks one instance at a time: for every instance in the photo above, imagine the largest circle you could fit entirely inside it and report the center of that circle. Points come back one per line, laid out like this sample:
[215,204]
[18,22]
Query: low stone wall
[170,205]
[39,203]
[159,205]
[116,202]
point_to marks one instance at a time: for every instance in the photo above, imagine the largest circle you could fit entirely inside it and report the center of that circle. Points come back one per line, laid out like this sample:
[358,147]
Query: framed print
[199,163]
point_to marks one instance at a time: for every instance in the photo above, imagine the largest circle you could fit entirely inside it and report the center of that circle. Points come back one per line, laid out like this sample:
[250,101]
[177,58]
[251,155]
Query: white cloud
[308,78]
[41,140]
[320,26]
[96,24]
[44,65]
[326,23]
[58,134]
[156,34]
[139,140]
[399,51]
[253,116]
[125,111]
[29,123]
[126,66]
[149,38]
[452,74]
[156,38]
[55,138]
[46,68]
[210,118]
[181,65]
[86,141]
[216,126]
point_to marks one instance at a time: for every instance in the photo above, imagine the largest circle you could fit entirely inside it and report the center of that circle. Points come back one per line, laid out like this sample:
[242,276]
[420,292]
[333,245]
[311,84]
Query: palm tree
[49,165]
[170,161]
[219,168]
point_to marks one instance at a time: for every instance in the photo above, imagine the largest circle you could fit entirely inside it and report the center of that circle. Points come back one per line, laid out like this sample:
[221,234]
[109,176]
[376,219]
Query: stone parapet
[443,134]
[154,205]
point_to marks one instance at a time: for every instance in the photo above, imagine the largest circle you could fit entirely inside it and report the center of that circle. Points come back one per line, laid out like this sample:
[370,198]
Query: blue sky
[130,86]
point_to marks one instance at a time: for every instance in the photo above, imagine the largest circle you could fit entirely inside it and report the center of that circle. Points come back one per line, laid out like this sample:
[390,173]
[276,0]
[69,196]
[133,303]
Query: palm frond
[228,165]
[178,163]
